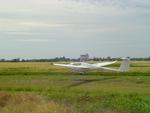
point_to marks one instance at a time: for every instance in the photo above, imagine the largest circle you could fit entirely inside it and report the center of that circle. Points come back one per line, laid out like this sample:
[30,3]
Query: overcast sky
[49,28]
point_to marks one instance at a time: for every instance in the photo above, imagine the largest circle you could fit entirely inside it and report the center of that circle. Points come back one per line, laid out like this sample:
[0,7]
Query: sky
[50,28]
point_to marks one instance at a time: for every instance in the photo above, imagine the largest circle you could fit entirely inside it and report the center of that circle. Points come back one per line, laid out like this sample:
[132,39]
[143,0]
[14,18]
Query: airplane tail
[124,67]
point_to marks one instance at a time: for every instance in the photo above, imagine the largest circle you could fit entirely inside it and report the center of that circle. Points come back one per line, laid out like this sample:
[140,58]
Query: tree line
[64,59]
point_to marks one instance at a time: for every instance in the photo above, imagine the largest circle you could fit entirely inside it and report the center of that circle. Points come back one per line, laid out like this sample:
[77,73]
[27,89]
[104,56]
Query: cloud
[17,25]
[74,26]
[117,3]
[32,40]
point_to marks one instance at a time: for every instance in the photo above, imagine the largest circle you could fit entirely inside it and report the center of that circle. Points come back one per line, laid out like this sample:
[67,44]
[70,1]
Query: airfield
[40,87]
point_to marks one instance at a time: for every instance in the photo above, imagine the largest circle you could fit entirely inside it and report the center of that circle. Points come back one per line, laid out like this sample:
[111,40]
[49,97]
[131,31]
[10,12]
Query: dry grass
[29,103]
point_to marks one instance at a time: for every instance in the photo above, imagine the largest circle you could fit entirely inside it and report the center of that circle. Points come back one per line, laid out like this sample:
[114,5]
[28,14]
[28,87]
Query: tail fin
[124,65]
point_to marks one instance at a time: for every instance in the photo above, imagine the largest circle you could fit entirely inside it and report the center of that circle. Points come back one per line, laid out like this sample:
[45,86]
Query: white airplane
[83,67]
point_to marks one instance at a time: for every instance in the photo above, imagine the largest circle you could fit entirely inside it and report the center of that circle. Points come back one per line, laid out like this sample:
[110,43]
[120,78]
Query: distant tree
[108,58]
[96,59]
[149,58]
[15,60]
[23,60]
[2,60]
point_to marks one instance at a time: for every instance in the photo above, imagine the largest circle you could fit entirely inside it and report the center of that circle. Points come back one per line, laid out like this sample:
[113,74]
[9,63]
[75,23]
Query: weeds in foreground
[28,103]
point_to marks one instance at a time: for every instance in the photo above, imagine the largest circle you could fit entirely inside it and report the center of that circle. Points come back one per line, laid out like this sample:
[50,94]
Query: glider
[83,67]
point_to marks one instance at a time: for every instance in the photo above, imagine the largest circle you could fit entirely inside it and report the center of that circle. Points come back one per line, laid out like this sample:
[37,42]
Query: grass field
[44,88]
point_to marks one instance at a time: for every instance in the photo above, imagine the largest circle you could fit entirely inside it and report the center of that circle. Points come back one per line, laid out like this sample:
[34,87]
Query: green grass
[95,92]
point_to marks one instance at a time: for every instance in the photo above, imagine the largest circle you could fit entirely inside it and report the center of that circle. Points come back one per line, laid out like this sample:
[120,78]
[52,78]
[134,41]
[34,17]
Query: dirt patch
[29,103]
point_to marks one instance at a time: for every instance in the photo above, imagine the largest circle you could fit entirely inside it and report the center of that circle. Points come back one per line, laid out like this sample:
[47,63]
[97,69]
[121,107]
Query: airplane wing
[104,64]
[72,66]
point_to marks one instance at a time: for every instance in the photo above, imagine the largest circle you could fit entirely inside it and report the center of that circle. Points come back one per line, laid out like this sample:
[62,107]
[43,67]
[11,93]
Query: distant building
[84,57]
